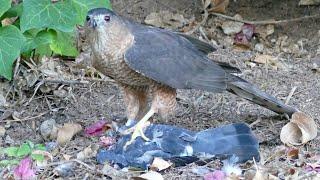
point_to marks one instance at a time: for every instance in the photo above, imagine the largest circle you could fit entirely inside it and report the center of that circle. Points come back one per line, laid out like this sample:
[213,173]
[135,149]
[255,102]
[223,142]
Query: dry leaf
[293,153]
[67,132]
[267,59]
[151,175]
[166,19]
[217,6]
[8,21]
[265,31]
[231,27]
[264,59]
[299,130]
[2,131]
[159,164]
[309,2]
[259,176]
[66,157]
[3,100]
[88,152]
[114,173]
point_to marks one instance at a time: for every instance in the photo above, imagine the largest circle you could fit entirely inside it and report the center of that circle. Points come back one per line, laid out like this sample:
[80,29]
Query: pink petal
[24,170]
[313,167]
[248,30]
[107,141]
[97,128]
[241,39]
[216,175]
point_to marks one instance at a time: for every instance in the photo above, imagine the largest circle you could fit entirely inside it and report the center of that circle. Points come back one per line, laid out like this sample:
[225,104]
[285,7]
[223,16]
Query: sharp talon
[138,129]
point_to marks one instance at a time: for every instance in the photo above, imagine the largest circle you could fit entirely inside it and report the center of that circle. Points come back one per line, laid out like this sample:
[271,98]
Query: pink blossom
[24,170]
[216,175]
[97,128]
[107,141]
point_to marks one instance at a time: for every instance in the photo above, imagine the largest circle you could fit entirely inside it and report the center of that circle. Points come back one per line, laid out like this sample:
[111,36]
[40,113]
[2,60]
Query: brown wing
[173,60]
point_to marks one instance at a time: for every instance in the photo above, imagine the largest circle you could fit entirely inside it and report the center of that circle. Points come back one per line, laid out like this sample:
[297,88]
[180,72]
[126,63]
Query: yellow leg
[138,128]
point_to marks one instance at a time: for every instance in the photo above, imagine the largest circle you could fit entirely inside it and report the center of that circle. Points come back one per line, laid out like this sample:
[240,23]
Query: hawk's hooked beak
[92,22]
[95,21]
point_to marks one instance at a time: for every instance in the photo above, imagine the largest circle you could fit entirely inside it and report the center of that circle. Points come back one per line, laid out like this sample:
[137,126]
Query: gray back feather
[171,59]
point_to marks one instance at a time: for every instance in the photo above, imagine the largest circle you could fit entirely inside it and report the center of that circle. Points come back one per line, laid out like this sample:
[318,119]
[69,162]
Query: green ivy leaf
[46,14]
[63,44]
[4,6]
[43,50]
[11,41]
[35,38]
[24,150]
[14,11]
[11,151]
[40,147]
[37,157]
[6,163]
[62,15]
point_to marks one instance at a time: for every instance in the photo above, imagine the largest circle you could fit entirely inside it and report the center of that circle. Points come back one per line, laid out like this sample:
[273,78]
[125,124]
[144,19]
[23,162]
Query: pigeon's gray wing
[171,59]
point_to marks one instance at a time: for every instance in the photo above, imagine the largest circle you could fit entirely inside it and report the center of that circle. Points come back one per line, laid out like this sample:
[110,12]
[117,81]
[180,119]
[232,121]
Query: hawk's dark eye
[88,18]
[107,18]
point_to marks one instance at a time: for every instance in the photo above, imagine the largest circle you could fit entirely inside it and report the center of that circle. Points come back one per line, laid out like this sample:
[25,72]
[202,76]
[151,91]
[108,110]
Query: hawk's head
[100,17]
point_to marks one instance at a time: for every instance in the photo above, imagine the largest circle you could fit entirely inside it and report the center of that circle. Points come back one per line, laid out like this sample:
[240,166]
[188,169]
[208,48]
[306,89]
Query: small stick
[266,21]
[16,68]
[255,122]
[204,20]
[25,119]
[85,81]
[57,81]
[290,94]
[35,91]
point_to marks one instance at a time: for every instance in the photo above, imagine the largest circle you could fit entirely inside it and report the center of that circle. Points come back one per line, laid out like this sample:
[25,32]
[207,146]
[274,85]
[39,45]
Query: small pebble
[201,171]
[50,146]
[259,47]
[64,170]
[8,140]
[48,129]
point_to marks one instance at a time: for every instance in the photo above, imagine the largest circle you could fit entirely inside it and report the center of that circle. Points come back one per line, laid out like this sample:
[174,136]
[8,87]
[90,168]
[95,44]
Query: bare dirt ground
[197,110]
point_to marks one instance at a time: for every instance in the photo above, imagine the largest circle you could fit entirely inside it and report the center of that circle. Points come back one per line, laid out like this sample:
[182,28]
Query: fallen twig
[35,91]
[265,21]
[57,81]
[16,68]
[290,94]
[84,81]
[204,20]
[25,119]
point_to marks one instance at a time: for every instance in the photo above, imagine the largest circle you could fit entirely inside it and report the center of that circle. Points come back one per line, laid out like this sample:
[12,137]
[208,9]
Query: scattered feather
[151,175]
[159,164]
